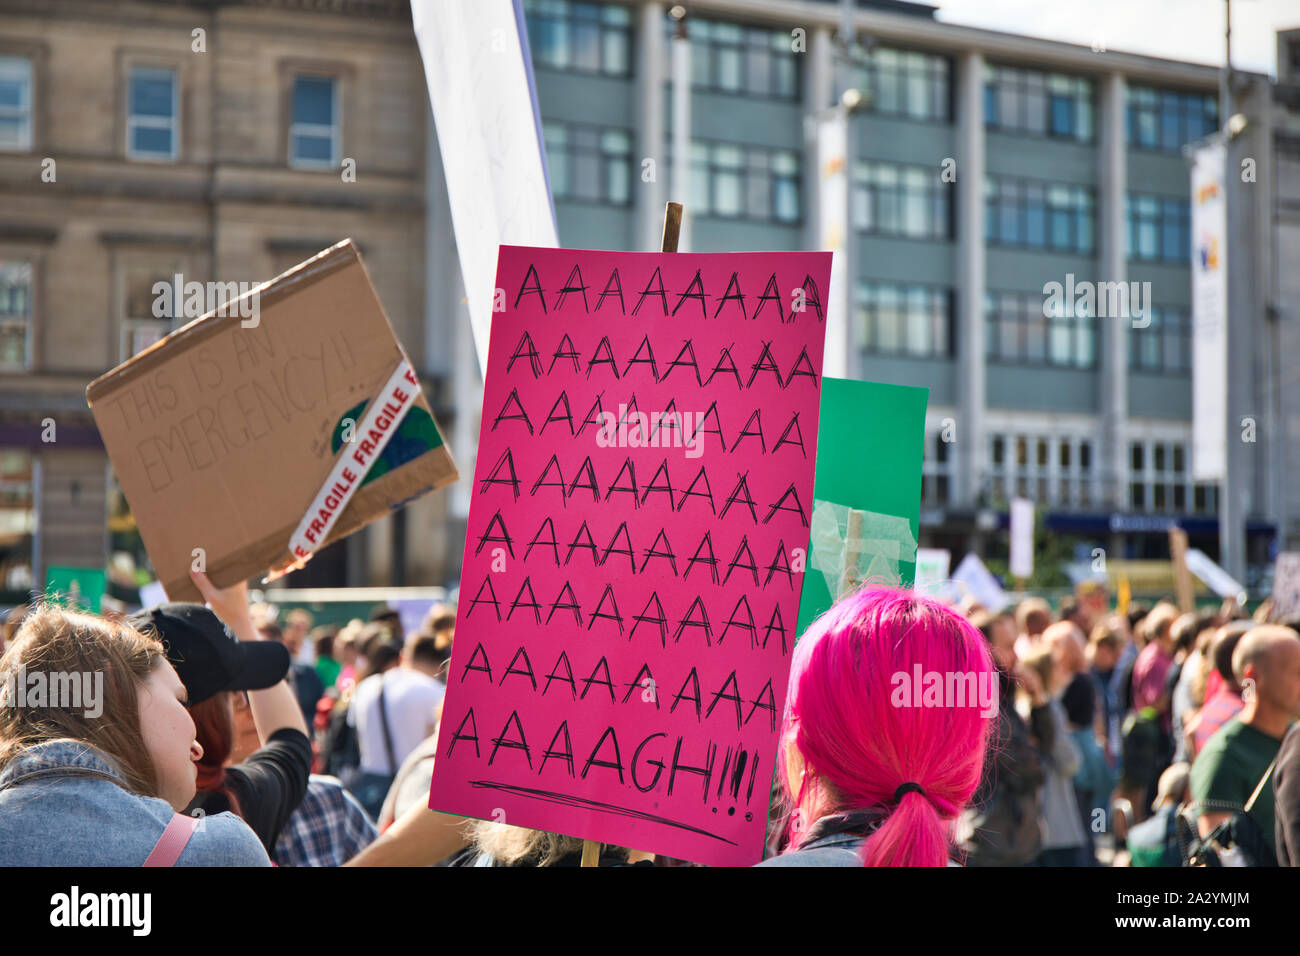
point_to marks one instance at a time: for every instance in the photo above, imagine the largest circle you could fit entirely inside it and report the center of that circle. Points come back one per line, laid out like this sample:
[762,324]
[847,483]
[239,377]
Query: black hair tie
[908,787]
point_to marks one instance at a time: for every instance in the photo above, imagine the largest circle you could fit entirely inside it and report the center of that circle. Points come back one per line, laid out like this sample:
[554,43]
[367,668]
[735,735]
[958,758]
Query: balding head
[1266,663]
[1068,645]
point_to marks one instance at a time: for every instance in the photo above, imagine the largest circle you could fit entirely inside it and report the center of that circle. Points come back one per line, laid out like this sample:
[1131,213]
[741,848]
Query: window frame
[871,68]
[868,192]
[25,112]
[335,127]
[565,130]
[1147,106]
[937,316]
[33,264]
[540,15]
[1009,317]
[1007,200]
[134,122]
[1020,82]
[706,166]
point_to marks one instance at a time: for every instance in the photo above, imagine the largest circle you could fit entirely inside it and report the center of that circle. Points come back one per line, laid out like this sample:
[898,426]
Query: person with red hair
[891,705]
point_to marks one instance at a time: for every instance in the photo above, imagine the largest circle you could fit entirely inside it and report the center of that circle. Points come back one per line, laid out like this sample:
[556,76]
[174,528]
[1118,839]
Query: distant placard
[1286,586]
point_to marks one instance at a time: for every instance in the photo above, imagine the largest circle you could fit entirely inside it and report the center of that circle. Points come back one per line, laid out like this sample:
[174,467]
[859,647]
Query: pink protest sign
[635,547]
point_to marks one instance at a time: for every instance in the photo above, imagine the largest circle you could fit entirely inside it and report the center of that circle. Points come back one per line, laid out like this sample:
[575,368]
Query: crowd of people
[229,737]
[1145,738]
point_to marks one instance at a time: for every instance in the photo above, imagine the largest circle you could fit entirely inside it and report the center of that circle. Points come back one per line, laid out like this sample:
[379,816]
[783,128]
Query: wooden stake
[1183,586]
[672,226]
[672,229]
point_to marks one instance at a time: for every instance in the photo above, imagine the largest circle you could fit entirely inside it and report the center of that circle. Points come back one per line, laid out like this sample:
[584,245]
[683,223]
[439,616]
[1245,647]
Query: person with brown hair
[218,655]
[99,780]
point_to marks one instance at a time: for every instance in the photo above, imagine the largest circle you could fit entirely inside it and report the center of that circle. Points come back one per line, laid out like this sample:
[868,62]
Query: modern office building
[1065,164]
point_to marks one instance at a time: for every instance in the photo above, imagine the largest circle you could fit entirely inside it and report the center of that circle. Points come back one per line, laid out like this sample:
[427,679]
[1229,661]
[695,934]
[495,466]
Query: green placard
[870,441]
[76,587]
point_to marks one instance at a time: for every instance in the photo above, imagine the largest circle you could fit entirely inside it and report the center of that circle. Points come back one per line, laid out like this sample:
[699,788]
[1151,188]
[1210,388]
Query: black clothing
[268,786]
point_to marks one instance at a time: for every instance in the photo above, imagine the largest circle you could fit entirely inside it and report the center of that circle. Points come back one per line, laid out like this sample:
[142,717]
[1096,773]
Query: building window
[1018,330]
[1044,104]
[894,200]
[584,37]
[904,320]
[728,58]
[148,315]
[1160,482]
[1036,215]
[1051,470]
[314,128]
[936,471]
[15,315]
[1164,345]
[18,519]
[15,103]
[1167,120]
[589,162]
[902,83]
[732,181]
[1158,229]
[153,115]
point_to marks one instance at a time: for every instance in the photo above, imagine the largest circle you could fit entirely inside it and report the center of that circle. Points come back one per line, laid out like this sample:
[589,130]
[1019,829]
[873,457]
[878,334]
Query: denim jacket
[64,803]
[834,840]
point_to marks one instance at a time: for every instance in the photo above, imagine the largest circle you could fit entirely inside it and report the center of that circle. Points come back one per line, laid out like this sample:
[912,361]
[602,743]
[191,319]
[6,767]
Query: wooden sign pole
[1183,586]
[672,229]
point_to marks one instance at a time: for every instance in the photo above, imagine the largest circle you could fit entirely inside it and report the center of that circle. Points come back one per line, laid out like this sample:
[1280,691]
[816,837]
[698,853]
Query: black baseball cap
[208,658]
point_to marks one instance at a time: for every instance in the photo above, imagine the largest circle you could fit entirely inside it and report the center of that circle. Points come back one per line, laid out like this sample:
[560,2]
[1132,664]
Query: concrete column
[971,453]
[1113,333]
[818,77]
[650,58]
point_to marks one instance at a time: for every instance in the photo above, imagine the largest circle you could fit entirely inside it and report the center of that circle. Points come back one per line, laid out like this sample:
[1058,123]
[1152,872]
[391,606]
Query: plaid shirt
[328,828]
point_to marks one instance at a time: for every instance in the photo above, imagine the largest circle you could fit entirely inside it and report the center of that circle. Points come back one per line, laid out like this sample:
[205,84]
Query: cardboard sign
[867,512]
[230,434]
[633,557]
[973,578]
[932,571]
[1183,585]
[1286,586]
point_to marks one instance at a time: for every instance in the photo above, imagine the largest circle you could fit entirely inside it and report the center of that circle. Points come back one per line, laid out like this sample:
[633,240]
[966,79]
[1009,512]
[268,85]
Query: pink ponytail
[863,731]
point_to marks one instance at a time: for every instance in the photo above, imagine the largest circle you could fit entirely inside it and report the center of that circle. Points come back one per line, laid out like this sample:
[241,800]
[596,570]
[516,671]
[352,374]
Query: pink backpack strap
[173,841]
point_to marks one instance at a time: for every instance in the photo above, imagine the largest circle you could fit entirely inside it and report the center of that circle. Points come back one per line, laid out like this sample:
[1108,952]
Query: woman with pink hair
[891,706]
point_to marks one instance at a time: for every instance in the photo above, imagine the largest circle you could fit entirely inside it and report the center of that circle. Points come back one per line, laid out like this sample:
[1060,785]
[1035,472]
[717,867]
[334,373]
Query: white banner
[1209,316]
[489,134]
[973,578]
[1022,537]
[832,219]
[1218,580]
